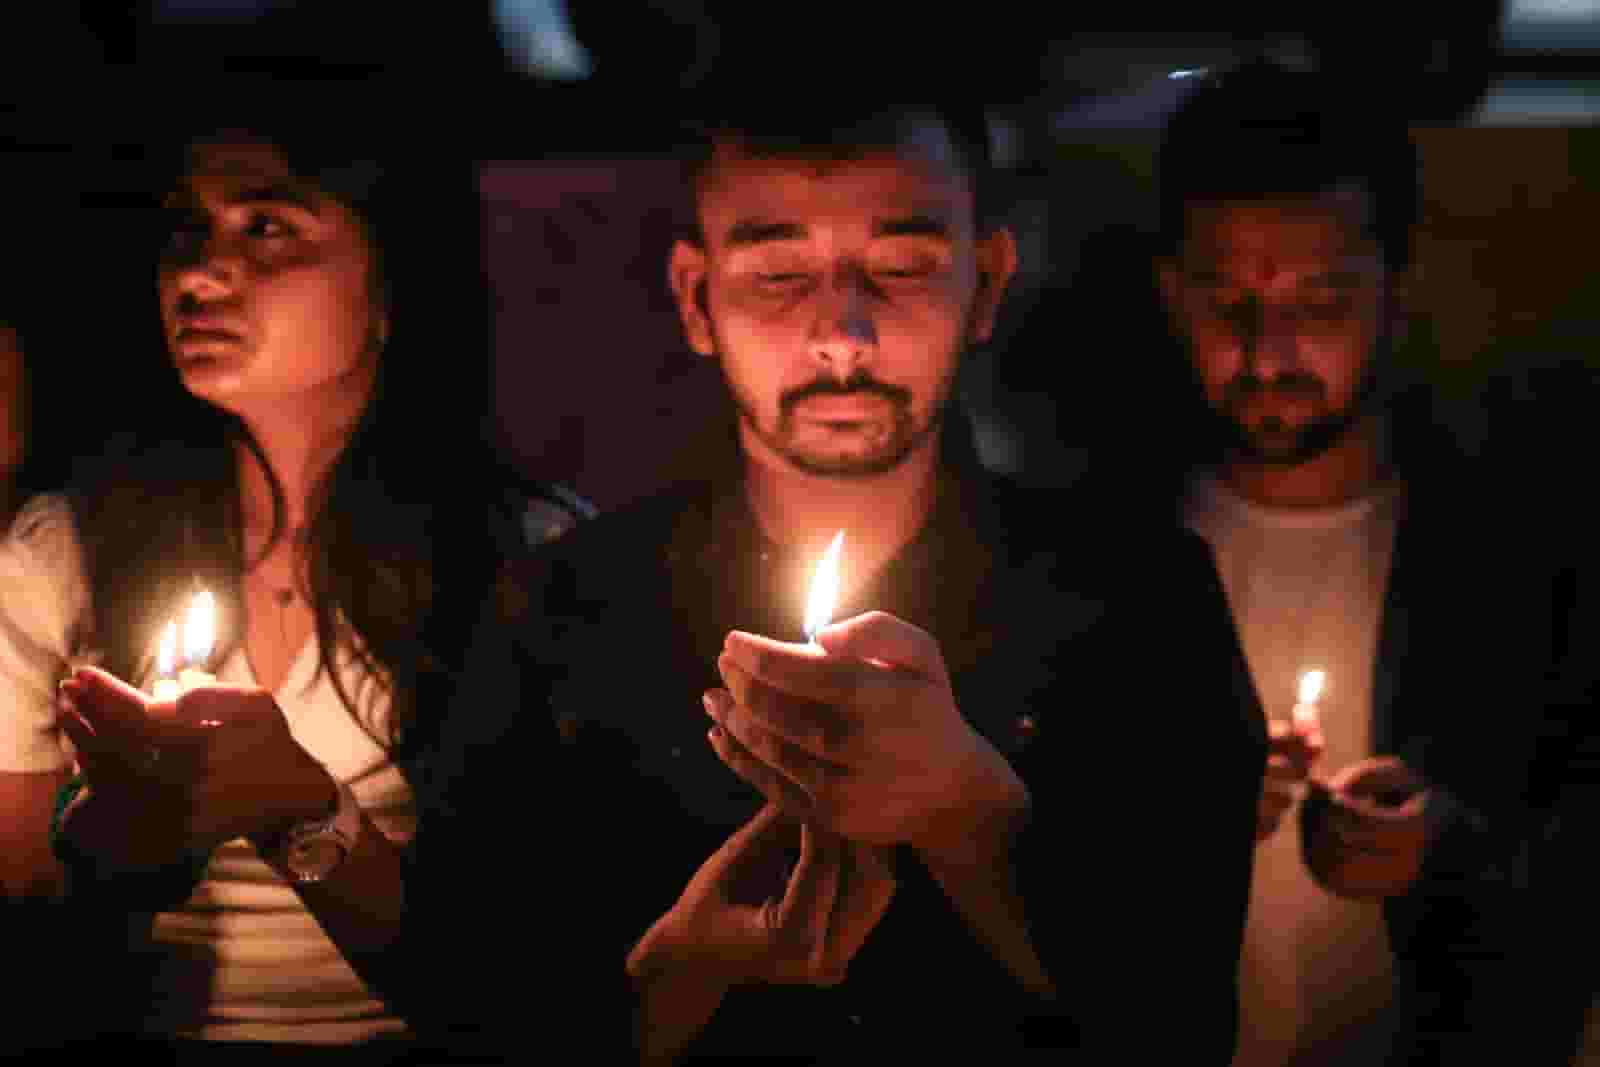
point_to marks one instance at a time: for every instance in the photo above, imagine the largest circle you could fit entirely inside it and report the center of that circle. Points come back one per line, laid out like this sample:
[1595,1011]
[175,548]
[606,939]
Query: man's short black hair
[839,133]
[1262,130]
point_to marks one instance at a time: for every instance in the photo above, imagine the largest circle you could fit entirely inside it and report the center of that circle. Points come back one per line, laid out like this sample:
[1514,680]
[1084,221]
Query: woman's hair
[411,522]
[36,378]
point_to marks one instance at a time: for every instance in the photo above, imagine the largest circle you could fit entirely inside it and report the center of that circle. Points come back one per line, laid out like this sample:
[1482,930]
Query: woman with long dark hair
[323,473]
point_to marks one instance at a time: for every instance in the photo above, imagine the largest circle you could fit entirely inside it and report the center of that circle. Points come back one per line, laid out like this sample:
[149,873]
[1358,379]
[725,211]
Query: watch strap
[338,831]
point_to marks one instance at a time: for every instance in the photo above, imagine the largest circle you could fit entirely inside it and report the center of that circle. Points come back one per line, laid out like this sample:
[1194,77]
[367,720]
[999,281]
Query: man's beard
[1273,442]
[901,437]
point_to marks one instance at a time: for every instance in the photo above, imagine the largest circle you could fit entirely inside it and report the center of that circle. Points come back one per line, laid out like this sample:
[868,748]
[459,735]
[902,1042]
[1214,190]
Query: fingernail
[710,706]
[715,733]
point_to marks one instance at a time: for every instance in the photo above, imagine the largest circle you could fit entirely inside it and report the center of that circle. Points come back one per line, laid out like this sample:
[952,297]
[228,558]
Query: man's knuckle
[763,745]
[765,703]
[844,683]
[761,662]
[816,737]
[877,617]
[796,942]
[828,972]
[741,727]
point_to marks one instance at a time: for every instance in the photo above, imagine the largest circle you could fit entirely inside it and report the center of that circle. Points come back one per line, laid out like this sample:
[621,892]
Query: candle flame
[199,629]
[167,653]
[1311,686]
[824,588]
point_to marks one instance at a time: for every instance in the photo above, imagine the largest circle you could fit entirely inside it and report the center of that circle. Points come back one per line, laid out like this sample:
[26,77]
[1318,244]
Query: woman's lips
[206,333]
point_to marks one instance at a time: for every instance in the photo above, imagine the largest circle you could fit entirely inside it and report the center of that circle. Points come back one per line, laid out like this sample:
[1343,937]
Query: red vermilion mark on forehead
[1261,269]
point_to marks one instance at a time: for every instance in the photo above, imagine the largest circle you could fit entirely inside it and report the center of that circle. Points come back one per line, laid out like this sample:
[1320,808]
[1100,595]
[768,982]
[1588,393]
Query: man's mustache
[854,385]
[1245,386]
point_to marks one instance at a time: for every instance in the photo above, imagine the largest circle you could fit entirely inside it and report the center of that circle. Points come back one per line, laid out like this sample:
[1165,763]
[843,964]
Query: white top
[244,959]
[1306,588]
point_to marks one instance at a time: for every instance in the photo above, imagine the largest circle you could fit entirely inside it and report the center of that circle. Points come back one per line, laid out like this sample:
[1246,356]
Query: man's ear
[997,263]
[1169,283]
[1400,302]
[686,274]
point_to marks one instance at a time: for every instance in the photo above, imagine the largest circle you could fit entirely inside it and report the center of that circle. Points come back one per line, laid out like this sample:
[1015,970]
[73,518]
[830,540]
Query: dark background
[567,172]
[580,199]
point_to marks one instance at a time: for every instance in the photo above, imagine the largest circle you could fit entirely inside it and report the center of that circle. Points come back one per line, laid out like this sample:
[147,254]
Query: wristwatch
[313,849]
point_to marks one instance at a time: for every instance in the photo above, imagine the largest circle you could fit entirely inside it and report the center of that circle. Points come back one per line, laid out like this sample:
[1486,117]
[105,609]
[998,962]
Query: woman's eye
[268,226]
[185,235]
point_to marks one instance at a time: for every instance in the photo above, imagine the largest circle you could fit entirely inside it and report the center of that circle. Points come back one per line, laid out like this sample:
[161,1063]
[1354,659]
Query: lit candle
[166,684]
[199,630]
[1305,711]
[824,589]
[199,633]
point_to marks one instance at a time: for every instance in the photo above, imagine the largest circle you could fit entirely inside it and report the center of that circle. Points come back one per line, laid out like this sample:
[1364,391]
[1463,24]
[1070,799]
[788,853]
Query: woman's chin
[211,376]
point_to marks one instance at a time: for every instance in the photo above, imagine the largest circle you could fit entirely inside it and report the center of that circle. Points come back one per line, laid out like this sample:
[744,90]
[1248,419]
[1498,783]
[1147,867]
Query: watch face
[312,858]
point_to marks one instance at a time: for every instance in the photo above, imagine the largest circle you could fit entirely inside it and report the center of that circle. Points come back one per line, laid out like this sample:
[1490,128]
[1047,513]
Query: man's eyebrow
[912,226]
[278,193]
[1339,279]
[748,232]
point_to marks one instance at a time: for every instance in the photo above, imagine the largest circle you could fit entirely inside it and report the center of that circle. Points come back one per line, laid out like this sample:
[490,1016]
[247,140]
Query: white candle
[1305,711]
[199,634]
[199,629]
[166,684]
[824,593]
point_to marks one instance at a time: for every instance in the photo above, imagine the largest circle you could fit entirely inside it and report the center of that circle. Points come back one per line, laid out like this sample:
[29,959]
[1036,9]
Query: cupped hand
[184,776]
[865,729]
[746,917]
[1365,830]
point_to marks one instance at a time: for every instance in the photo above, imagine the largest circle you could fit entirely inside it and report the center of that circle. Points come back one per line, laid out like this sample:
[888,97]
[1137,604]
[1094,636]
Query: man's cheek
[1339,364]
[1215,364]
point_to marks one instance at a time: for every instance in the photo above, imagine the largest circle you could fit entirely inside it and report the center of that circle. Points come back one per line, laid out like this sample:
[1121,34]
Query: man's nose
[1268,339]
[845,336]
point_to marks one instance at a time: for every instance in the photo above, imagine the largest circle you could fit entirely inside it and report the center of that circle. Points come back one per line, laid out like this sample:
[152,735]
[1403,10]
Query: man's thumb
[885,639]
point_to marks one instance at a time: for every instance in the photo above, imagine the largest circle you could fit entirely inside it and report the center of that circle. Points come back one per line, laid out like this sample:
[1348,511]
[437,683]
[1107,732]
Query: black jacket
[1486,682]
[1099,658]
